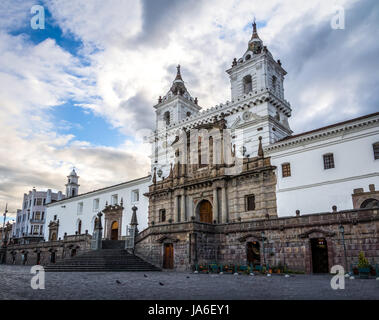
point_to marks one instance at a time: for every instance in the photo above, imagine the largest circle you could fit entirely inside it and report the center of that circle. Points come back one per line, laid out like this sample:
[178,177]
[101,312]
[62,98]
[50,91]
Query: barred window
[328,161]
[250,202]
[375,147]
[286,170]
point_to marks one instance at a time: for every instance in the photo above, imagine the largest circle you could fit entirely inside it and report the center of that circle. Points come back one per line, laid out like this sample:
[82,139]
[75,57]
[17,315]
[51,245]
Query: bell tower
[176,105]
[72,186]
[258,77]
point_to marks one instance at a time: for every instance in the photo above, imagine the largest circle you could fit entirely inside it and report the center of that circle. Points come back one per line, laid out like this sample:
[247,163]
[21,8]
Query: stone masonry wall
[43,251]
[285,240]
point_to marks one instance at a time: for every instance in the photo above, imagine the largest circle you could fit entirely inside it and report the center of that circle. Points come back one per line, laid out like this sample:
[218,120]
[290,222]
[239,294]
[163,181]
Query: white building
[76,215]
[30,220]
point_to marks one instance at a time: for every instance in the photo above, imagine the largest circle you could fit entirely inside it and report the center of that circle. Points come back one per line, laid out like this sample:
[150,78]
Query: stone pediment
[325,233]
[167,239]
[250,235]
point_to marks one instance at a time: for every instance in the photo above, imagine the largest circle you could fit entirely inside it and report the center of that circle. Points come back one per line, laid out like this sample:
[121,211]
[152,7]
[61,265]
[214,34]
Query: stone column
[190,208]
[176,214]
[215,205]
[224,205]
[183,208]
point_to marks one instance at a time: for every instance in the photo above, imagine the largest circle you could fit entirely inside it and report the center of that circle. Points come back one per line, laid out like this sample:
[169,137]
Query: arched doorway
[114,230]
[370,203]
[253,253]
[319,249]
[205,211]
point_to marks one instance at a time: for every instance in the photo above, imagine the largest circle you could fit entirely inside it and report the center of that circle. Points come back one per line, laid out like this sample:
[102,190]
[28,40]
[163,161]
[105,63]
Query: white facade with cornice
[84,207]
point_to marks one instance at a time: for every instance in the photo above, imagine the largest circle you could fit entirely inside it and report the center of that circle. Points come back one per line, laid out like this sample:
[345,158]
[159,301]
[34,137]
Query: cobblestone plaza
[15,284]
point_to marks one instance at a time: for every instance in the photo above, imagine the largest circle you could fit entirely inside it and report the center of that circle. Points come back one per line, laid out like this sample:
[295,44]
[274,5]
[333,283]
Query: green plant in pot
[363,266]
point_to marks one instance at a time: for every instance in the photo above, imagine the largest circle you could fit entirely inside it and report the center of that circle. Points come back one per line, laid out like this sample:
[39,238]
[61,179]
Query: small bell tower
[72,185]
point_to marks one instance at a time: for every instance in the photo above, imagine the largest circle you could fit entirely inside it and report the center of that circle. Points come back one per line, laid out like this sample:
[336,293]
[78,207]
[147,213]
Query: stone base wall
[43,252]
[285,241]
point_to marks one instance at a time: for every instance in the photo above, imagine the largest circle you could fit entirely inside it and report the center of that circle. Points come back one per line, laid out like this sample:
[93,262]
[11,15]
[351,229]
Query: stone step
[114,258]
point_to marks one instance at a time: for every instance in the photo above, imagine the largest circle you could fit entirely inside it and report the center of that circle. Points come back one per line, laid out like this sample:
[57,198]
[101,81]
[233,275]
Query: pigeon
[187,277]
[118,282]
[161,283]
[145,275]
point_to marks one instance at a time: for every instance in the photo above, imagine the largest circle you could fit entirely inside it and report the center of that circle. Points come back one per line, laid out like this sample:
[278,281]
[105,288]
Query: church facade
[271,196]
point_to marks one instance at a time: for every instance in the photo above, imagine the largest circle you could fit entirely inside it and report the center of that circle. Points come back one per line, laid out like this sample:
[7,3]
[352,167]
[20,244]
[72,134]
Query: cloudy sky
[80,92]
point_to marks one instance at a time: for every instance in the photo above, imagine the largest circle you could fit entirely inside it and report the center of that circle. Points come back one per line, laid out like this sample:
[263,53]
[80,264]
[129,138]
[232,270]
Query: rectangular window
[96,204]
[328,161]
[38,215]
[39,202]
[250,202]
[80,208]
[114,200]
[375,147]
[286,170]
[162,215]
[135,195]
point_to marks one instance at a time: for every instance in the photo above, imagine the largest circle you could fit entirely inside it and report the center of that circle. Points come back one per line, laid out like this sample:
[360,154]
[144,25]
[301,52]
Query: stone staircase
[111,258]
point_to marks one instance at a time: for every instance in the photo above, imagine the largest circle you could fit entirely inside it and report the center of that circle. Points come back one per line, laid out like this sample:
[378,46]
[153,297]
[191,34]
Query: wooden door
[168,258]
[205,212]
[114,231]
[253,253]
[319,255]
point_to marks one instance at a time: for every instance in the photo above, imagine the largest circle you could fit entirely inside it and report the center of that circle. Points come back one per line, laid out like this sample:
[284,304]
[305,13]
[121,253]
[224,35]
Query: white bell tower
[258,77]
[72,186]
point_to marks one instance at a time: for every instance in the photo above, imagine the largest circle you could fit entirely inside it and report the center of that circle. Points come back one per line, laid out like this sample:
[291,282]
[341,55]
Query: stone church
[201,211]
[233,185]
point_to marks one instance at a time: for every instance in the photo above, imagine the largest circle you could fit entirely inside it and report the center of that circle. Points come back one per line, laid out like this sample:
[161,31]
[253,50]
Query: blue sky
[71,119]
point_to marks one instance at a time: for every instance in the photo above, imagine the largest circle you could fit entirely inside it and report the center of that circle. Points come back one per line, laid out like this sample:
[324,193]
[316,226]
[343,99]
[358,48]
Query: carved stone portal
[113,221]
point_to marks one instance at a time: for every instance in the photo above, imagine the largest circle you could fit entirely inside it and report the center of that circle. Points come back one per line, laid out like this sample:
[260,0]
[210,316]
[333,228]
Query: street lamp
[263,247]
[342,231]
[5,216]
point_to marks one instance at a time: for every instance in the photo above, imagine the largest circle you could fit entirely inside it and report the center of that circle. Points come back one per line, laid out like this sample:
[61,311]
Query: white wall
[68,216]
[311,188]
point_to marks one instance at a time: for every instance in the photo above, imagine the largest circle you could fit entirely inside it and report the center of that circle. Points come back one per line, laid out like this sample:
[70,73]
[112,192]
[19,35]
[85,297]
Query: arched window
[247,84]
[370,203]
[166,117]
[375,148]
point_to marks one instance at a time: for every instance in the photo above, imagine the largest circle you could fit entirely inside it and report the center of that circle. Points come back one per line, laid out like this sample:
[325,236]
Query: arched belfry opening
[205,212]
[247,84]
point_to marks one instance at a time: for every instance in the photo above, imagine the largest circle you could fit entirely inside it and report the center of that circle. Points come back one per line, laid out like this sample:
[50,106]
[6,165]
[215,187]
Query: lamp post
[263,247]
[5,216]
[342,231]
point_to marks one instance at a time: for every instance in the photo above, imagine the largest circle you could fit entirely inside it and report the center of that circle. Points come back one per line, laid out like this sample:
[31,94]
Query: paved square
[15,284]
